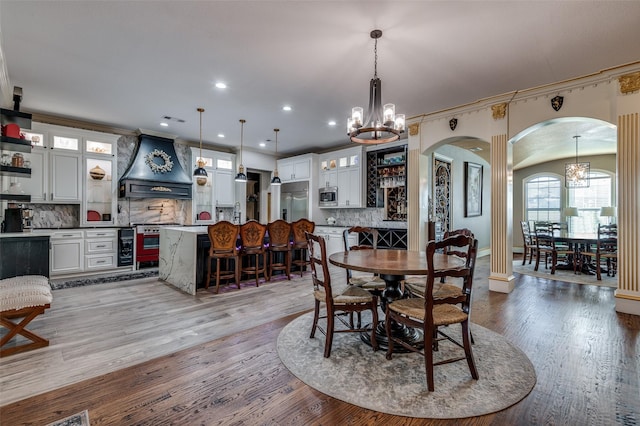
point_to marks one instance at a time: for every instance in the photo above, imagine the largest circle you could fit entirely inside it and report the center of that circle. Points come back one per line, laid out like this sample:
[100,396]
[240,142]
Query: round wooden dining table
[393,266]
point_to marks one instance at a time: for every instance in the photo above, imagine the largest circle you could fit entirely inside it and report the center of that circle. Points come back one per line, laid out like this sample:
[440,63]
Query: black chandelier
[276,179]
[381,124]
[200,173]
[241,177]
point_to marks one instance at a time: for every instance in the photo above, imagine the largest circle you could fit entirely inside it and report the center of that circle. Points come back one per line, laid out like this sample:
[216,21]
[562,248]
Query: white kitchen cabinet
[37,185]
[65,182]
[67,252]
[219,188]
[100,249]
[295,169]
[56,162]
[100,183]
[333,238]
[350,192]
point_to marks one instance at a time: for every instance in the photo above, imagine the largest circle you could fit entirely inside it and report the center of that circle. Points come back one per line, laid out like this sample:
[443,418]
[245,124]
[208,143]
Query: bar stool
[300,244]
[223,237]
[252,234]
[279,244]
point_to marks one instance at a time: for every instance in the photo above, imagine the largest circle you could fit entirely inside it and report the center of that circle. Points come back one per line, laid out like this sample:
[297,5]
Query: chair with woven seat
[528,237]
[279,245]
[607,250]
[427,315]
[547,246]
[416,284]
[370,282]
[223,237]
[299,256]
[253,255]
[339,301]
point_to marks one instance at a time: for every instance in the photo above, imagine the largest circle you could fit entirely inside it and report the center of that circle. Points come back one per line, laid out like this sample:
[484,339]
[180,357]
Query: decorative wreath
[159,168]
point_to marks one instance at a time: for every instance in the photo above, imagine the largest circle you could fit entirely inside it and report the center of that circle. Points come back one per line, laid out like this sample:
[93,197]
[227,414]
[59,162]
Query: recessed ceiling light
[163,124]
[221,85]
[221,135]
[262,144]
[332,123]
[286,108]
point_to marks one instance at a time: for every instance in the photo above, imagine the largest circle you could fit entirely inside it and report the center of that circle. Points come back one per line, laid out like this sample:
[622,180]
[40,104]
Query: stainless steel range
[148,242]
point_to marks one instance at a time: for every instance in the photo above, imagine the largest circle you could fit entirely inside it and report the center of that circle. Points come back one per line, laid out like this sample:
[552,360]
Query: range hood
[155,172]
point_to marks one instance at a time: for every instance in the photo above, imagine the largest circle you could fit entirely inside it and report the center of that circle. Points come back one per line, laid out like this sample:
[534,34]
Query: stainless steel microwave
[328,196]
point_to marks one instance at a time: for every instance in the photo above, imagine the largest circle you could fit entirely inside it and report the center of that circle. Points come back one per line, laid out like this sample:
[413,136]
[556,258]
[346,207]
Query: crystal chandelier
[381,124]
[576,175]
[241,177]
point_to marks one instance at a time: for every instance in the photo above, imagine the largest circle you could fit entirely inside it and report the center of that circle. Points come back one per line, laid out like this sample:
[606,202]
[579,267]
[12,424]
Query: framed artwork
[472,189]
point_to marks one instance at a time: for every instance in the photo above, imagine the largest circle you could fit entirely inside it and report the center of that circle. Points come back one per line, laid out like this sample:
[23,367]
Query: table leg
[412,336]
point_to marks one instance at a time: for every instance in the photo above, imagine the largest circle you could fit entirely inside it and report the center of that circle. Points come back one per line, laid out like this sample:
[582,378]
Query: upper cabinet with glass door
[217,189]
[99,180]
[203,204]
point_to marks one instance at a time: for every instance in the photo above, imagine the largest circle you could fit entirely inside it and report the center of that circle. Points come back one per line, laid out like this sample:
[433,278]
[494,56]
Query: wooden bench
[23,297]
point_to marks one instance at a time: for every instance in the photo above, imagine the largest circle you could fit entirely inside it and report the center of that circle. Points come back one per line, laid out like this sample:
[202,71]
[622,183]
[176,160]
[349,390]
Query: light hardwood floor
[586,357]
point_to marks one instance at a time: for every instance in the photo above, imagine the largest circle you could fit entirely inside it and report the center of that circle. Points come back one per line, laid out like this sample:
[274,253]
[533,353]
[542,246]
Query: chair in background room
[223,237]
[339,301]
[253,255]
[607,250]
[371,282]
[299,246]
[429,316]
[279,246]
[529,239]
[547,246]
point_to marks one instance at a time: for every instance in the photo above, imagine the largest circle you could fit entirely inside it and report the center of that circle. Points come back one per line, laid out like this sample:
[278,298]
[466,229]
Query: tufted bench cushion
[23,292]
[23,297]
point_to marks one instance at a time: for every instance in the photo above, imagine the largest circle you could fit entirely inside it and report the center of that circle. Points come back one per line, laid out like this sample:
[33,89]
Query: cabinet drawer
[103,261]
[71,234]
[100,246]
[101,233]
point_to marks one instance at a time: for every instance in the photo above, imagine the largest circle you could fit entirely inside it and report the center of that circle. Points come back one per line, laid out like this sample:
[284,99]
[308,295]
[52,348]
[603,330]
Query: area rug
[78,419]
[356,374]
[563,275]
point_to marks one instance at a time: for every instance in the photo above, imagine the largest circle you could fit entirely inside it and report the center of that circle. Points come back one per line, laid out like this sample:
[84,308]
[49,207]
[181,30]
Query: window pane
[543,201]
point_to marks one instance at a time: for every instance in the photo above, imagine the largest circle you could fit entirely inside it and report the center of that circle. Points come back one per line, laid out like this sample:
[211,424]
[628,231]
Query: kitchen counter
[177,263]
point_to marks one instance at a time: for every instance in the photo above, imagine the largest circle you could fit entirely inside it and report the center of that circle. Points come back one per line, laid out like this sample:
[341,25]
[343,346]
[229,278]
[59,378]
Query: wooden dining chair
[427,315]
[607,250]
[368,236]
[253,255]
[339,301]
[223,237]
[529,239]
[279,246]
[547,246]
[299,255]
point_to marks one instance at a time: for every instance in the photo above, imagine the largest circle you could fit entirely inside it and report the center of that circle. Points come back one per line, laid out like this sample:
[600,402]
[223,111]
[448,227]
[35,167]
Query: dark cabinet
[388,238]
[386,181]
[24,256]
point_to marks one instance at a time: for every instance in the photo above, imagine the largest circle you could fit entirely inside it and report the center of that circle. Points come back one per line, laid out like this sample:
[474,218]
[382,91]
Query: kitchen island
[178,263]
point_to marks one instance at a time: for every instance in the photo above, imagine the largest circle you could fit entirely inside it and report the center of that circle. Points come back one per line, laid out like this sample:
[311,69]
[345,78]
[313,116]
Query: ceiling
[129,64]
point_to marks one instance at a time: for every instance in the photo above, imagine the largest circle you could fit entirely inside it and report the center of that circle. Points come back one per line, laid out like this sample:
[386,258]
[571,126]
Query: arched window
[590,200]
[542,198]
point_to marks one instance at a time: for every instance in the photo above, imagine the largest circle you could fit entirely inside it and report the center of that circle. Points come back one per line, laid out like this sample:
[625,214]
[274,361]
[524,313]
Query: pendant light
[382,124]
[276,179]
[200,173]
[241,177]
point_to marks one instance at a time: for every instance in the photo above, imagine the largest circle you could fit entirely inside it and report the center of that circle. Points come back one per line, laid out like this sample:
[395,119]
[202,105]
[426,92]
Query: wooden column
[628,164]
[501,277]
